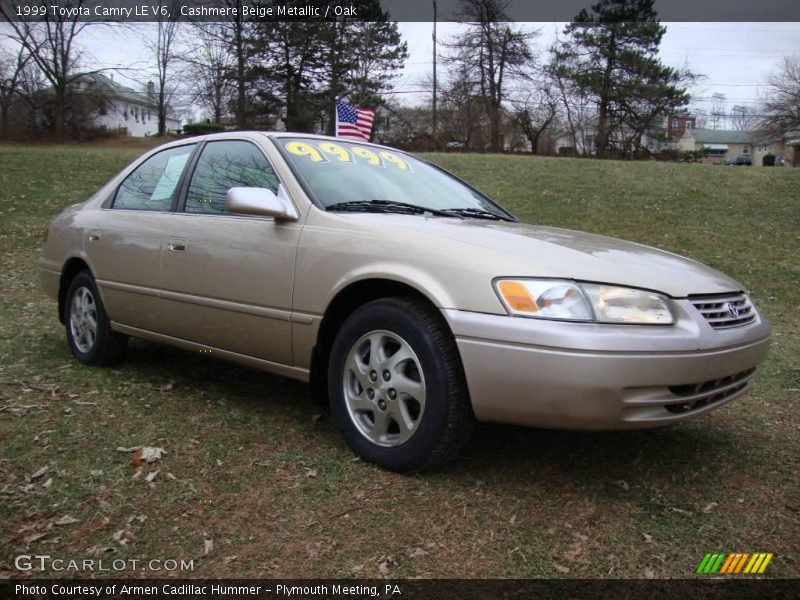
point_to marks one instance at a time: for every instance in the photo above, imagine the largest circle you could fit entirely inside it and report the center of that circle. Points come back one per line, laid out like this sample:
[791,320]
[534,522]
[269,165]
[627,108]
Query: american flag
[352,122]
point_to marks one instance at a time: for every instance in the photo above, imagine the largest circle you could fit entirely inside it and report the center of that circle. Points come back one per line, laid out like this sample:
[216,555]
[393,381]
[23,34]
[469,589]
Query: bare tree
[163,51]
[490,52]
[51,44]
[211,67]
[234,33]
[740,118]
[536,108]
[12,72]
[781,105]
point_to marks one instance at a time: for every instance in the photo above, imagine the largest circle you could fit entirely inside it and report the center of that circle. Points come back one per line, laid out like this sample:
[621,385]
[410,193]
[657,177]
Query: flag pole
[434,73]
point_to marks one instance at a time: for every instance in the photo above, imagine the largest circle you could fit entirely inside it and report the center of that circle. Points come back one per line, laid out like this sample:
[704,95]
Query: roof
[106,86]
[721,136]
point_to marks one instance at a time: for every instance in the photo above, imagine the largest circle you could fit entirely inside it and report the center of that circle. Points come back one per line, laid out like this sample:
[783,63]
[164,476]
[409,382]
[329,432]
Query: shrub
[670,154]
[768,160]
[202,128]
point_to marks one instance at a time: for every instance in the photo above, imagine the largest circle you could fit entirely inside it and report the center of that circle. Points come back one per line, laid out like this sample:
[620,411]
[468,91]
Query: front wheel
[397,387]
[89,335]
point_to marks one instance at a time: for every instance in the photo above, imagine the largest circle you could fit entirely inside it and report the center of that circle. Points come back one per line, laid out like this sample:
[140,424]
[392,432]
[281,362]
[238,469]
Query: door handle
[176,246]
[94,235]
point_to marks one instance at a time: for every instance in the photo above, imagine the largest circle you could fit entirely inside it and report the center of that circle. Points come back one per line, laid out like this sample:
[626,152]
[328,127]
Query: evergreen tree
[610,55]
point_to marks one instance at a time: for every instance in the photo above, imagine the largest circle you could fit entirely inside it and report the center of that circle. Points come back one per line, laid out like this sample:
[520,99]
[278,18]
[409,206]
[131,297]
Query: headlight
[571,301]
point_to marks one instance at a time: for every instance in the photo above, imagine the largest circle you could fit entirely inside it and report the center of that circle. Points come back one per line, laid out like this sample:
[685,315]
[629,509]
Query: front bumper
[589,376]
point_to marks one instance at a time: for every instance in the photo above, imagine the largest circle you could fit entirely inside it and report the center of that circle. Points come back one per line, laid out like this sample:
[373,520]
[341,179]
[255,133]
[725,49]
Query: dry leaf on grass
[208,546]
[710,506]
[65,520]
[39,473]
[143,454]
[561,568]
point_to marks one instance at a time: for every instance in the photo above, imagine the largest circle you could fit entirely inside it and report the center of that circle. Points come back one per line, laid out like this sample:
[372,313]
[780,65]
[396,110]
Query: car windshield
[349,176]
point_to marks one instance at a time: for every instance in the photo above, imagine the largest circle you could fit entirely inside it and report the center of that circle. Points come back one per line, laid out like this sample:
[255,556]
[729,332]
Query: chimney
[151,89]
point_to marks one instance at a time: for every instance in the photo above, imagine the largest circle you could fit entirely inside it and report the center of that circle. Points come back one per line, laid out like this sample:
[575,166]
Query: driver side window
[222,166]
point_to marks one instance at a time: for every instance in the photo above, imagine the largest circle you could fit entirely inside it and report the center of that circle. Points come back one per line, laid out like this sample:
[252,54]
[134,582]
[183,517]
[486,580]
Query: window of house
[745,149]
[688,124]
[222,166]
[154,183]
[763,148]
[674,123]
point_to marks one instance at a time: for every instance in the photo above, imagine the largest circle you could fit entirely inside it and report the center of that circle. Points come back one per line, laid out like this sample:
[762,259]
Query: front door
[226,279]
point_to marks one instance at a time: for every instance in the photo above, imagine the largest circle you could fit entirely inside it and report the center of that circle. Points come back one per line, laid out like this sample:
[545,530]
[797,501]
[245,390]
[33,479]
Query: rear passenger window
[154,183]
[222,166]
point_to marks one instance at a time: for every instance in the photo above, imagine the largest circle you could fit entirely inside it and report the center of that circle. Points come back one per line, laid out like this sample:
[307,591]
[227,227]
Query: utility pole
[434,72]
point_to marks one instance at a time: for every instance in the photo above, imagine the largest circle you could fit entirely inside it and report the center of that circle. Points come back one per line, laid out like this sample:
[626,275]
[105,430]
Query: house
[719,144]
[121,109]
[674,126]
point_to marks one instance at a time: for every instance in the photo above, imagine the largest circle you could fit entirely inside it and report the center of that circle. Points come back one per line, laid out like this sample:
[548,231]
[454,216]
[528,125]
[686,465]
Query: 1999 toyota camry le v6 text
[415,303]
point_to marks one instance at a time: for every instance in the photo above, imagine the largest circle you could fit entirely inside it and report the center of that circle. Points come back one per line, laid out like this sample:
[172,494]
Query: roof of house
[721,136]
[98,83]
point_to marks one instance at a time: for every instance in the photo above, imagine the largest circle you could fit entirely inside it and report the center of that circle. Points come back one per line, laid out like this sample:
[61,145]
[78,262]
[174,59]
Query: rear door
[227,279]
[124,246]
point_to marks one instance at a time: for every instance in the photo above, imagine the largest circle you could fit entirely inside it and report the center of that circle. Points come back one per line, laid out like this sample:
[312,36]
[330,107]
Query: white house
[122,109]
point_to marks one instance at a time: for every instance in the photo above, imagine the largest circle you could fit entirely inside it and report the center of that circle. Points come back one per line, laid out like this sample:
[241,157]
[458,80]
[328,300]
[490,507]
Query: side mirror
[260,202]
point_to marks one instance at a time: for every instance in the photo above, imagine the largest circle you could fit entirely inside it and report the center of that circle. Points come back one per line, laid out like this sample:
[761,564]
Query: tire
[418,415]
[89,335]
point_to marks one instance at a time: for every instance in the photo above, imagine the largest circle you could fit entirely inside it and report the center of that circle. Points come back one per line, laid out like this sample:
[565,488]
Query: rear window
[153,185]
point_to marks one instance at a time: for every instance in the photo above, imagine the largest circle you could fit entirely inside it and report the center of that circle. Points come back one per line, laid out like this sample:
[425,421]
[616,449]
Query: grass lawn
[257,482]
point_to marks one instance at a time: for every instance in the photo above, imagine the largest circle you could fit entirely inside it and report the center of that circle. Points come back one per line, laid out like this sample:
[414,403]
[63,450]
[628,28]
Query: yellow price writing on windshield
[320,154]
[336,150]
[307,150]
[395,160]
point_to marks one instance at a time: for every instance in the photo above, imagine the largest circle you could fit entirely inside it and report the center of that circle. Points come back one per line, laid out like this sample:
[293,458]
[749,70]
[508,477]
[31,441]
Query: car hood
[536,251]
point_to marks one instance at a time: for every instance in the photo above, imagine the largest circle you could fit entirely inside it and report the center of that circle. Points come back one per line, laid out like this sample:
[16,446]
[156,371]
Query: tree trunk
[241,100]
[60,116]
[601,141]
[162,114]
[4,119]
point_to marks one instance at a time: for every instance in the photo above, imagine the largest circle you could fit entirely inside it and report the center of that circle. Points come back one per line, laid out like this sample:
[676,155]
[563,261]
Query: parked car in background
[738,161]
[413,302]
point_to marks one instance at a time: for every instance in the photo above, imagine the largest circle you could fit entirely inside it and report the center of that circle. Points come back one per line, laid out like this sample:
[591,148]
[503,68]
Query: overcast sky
[735,58]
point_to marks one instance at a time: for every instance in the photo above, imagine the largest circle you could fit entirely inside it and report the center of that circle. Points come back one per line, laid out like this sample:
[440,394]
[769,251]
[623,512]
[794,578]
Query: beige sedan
[410,300]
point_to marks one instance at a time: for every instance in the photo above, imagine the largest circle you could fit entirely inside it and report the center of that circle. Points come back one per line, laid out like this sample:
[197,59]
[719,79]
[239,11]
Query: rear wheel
[397,388]
[89,335]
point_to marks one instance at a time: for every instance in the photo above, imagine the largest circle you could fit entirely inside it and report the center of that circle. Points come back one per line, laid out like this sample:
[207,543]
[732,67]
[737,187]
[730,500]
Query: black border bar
[397,589]
[398,10]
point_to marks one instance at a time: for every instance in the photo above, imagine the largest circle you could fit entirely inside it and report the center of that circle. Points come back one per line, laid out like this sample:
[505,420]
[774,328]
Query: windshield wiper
[388,206]
[393,206]
[475,213]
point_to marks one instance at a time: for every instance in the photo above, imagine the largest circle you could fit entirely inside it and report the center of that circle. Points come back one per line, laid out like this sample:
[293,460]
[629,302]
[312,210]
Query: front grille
[698,395]
[725,310]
